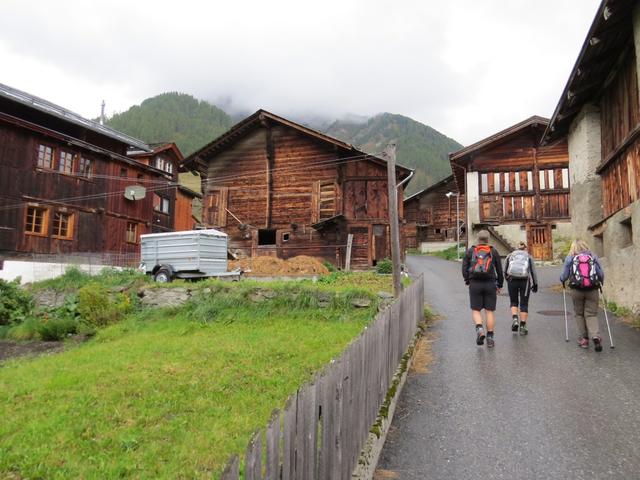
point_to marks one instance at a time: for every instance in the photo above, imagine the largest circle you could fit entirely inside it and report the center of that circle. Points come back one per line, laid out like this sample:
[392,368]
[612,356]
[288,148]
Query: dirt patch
[300,265]
[10,349]
[422,355]
[385,474]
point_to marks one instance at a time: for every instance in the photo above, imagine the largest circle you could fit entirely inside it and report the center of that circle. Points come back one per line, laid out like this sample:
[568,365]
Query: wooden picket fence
[325,424]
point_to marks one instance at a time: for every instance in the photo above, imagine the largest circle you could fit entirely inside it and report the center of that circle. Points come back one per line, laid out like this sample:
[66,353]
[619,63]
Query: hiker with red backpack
[521,281]
[584,273]
[482,272]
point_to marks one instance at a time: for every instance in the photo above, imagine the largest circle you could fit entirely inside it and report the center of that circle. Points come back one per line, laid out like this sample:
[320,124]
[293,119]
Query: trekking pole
[606,317]
[566,322]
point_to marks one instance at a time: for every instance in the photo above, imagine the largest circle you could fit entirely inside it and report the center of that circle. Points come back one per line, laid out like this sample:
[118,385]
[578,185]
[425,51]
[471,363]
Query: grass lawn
[172,393]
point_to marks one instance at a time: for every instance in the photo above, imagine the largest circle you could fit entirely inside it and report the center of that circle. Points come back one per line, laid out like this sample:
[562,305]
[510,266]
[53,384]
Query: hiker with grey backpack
[521,281]
[584,273]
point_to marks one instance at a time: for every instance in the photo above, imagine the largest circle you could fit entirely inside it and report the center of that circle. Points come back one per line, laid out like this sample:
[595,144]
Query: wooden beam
[390,155]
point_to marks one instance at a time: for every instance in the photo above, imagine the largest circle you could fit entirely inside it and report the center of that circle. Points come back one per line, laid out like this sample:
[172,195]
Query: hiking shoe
[583,342]
[523,329]
[597,342]
[480,336]
[490,342]
[515,325]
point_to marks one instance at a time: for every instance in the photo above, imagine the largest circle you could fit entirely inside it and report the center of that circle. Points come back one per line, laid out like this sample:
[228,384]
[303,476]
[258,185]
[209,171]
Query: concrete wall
[35,271]
[473,199]
[621,260]
[585,204]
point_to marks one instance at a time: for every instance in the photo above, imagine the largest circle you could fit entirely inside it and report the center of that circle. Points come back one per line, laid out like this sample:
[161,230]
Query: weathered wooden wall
[277,178]
[620,128]
[100,217]
[431,216]
[325,424]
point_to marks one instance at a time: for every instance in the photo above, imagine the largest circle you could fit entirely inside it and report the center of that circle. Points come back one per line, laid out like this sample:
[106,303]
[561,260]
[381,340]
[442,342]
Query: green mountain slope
[173,117]
[419,146]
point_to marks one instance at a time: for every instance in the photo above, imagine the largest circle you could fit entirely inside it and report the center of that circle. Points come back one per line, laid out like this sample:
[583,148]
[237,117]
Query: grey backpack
[518,264]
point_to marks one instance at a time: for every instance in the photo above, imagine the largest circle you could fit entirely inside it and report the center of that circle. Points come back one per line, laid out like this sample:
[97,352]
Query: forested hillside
[173,117]
[192,123]
[419,146]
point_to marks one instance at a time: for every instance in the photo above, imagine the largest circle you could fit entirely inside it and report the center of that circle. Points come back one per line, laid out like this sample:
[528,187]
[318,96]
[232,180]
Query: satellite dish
[135,192]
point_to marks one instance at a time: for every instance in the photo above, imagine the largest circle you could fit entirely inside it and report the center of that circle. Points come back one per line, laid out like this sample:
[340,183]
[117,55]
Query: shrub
[384,266]
[15,303]
[27,330]
[52,329]
[330,266]
[98,308]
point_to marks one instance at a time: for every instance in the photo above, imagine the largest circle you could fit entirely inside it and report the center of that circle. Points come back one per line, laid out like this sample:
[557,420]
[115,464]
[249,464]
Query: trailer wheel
[163,276]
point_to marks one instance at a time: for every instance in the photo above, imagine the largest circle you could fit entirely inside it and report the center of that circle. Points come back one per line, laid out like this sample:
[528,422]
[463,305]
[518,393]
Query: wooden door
[380,243]
[540,241]
[360,248]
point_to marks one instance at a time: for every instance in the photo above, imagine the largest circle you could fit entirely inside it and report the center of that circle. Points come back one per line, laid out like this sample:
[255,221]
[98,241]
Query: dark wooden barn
[64,177]
[430,215]
[516,188]
[279,188]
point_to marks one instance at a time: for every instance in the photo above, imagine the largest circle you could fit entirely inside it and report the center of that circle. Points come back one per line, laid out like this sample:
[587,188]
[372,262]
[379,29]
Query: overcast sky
[465,67]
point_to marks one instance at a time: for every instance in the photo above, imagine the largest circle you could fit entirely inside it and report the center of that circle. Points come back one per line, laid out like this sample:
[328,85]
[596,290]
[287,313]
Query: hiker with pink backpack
[584,273]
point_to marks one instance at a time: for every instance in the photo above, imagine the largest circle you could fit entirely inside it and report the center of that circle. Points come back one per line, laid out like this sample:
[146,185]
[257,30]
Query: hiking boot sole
[491,343]
[480,339]
[514,328]
[597,344]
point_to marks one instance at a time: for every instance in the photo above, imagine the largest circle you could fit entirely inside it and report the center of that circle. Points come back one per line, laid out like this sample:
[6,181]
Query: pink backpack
[583,272]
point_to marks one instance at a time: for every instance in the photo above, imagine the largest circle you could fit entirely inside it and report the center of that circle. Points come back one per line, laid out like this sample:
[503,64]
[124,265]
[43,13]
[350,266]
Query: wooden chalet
[430,215]
[279,188]
[515,188]
[599,112]
[64,177]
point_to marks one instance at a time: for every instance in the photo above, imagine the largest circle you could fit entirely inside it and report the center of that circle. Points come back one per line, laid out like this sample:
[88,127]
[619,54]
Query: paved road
[534,407]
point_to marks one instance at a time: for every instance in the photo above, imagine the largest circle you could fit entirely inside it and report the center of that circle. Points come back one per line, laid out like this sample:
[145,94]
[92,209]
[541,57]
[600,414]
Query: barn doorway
[380,243]
[540,242]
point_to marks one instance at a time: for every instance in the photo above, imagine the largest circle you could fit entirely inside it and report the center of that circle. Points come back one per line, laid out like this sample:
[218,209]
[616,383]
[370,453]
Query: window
[65,165]
[162,163]
[565,178]
[541,177]
[132,232]
[484,183]
[530,181]
[286,237]
[84,167]
[123,172]
[552,180]
[506,181]
[62,225]
[517,175]
[140,176]
[266,237]
[160,204]
[496,182]
[36,223]
[45,156]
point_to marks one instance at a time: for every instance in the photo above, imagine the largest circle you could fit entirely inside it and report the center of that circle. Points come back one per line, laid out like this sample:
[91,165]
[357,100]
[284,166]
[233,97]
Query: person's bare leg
[523,317]
[476,316]
[490,320]
[514,311]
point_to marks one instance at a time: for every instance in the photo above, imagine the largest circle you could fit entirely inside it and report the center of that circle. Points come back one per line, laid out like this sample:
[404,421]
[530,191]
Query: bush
[98,308]
[27,330]
[384,266]
[15,303]
[330,266]
[54,329]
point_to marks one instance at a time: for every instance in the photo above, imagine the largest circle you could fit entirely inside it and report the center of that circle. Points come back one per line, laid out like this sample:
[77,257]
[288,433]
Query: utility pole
[389,154]
[102,118]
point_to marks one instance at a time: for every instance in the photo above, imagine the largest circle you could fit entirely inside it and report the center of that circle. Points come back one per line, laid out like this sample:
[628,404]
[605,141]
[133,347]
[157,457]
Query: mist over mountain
[192,123]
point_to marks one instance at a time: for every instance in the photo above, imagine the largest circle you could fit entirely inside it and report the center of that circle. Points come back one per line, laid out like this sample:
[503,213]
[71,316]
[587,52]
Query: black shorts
[483,294]
[519,290]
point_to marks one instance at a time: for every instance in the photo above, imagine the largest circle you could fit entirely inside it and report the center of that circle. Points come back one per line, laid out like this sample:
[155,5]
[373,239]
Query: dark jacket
[532,269]
[496,271]
[568,262]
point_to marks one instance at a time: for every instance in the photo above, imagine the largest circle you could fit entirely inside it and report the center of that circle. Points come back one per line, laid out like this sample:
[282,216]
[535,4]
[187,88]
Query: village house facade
[63,182]
[517,189]
[599,111]
[431,214]
[279,188]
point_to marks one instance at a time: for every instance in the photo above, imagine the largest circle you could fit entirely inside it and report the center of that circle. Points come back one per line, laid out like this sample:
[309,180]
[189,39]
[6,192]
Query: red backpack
[481,262]
[583,272]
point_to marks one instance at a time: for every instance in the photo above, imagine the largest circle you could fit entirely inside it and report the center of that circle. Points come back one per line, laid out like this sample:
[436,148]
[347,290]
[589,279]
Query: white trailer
[191,254]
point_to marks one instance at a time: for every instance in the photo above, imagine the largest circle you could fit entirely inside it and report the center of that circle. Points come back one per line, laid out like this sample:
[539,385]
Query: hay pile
[300,265]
